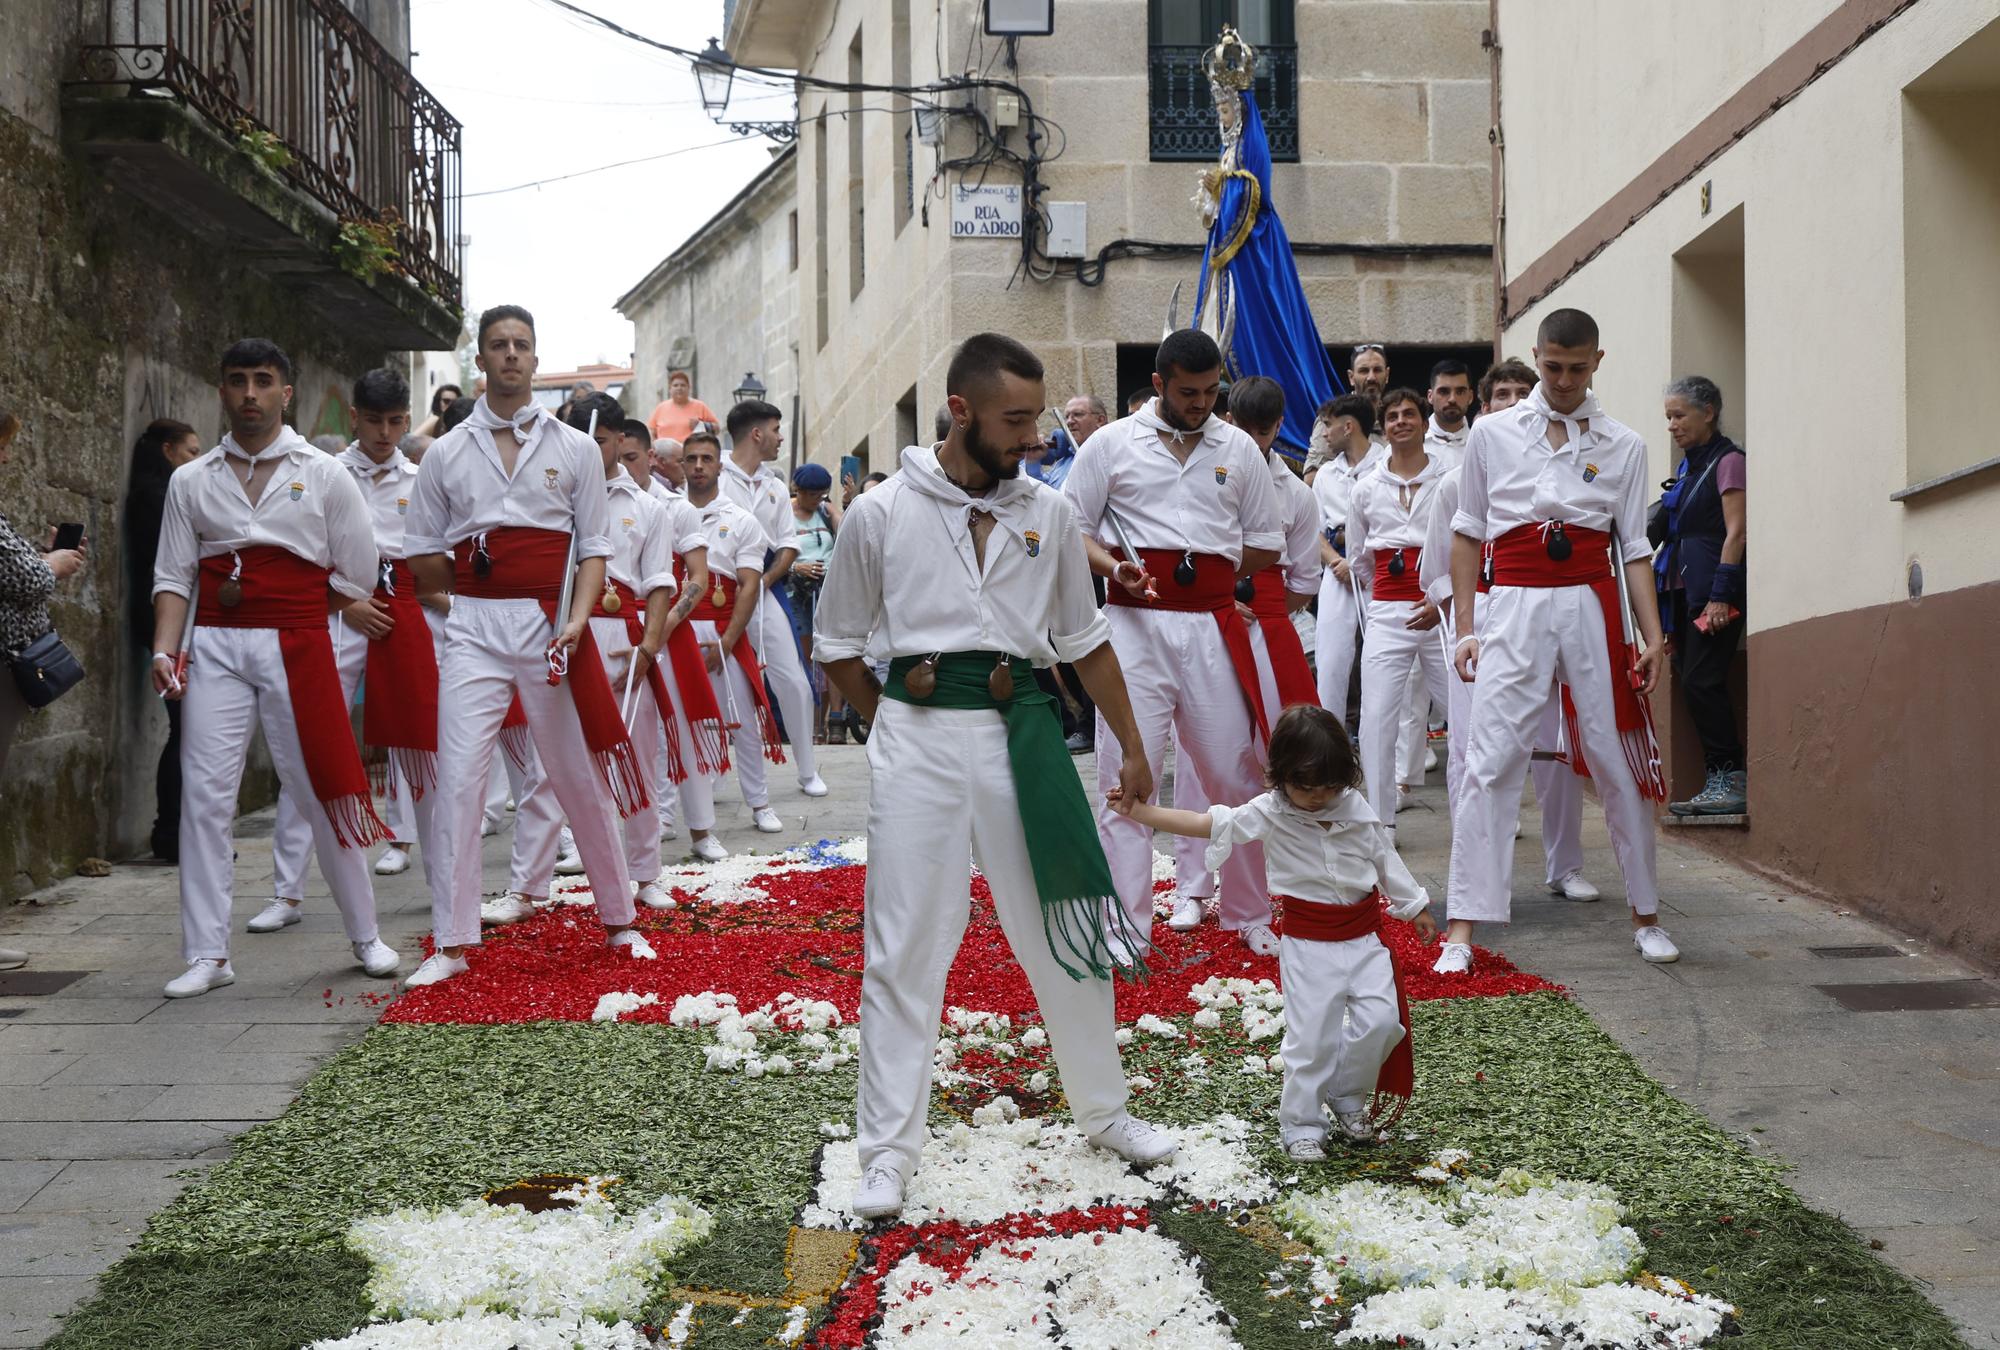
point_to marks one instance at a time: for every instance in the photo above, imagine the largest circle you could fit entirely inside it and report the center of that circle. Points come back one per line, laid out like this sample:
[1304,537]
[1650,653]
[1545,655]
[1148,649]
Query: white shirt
[1514,477]
[387,488]
[1434,570]
[685,522]
[558,484]
[1378,518]
[905,580]
[1336,865]
[1220,501]
[1448,447]
[765,498]
[735,539]
[642,543]
[1298,513]
[1333,486]
[310,507]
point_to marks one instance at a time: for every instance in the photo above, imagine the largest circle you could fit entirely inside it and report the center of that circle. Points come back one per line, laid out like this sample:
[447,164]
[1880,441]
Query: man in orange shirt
[681,412]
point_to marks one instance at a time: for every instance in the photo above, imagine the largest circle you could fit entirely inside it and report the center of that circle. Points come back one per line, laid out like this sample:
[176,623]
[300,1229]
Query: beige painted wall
[1820,185]
[1394,102]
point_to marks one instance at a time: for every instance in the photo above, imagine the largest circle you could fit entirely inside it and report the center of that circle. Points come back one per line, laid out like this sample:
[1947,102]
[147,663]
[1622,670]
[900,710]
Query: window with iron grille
[1180,33]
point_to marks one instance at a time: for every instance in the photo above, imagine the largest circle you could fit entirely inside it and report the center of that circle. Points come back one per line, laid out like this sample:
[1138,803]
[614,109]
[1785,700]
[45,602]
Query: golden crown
[1232,62]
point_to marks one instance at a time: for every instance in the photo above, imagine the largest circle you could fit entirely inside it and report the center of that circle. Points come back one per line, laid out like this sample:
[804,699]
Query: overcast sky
[542,93]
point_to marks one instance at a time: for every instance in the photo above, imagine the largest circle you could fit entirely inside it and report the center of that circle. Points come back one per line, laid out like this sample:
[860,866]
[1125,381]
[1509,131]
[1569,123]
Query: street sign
[989,212]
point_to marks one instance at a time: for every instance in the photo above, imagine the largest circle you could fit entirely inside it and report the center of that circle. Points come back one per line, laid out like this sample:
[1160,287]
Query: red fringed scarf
[281,590]
[1316,921]
[1520,557]
[719,607]
[630,615]
[699,704]
[400,713]
[527,564]
[1289,670]
[1214,592]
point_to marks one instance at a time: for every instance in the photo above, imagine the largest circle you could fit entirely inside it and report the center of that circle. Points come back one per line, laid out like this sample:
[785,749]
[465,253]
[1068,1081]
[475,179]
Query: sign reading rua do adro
[988,212]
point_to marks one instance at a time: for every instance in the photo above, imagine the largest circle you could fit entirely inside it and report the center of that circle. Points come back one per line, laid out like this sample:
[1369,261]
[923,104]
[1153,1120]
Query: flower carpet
[571,1147]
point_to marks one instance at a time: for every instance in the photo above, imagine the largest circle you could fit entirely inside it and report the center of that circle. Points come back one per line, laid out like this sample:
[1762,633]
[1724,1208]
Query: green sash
[1072,877]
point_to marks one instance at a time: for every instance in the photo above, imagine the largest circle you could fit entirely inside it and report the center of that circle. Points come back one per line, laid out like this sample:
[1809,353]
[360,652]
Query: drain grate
[34,983]
[1854,953]
[1914,995]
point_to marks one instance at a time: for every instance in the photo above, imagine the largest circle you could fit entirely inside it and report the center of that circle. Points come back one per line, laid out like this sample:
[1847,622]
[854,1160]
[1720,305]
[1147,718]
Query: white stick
[631,669]
[568,593]
[1360,605]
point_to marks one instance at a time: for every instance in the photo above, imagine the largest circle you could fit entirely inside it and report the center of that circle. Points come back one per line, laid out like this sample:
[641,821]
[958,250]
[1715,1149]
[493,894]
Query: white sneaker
[1356,1126]
[814,786]
[377,958]
[1454,959]
[1259,938]
[1574,887]
[394,859]
[507,909]
[655,896]
[201,976]
[1430,760]
[880,1195]
[568,864]
[766,820]
[1135,1141]
[1404,799]
[1517,827]
[709,849]
[1654,944]
[489,825]
[1306,1150]
[635,944]
[278,914]
[668,830]
[436,969]
[1187,914]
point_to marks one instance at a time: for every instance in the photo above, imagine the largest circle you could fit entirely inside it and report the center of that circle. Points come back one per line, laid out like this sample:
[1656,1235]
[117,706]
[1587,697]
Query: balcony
[283,131]
[1183,112]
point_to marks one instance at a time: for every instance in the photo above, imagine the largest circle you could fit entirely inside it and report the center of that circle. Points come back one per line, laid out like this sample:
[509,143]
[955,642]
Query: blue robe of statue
[1275,335]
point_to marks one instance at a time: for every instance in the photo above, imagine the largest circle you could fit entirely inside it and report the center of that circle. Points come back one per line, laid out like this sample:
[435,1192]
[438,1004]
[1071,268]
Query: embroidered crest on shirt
[298,491]
[402,506]
[1034,542]
[1221,474]
[1590,473]
[551,479]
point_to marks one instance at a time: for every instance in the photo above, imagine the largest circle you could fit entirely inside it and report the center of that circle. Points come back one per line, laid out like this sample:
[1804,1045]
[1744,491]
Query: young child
[1331,864]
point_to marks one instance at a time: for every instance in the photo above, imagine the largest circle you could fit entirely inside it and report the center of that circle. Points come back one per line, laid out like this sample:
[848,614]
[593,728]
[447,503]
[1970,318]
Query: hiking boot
[1723,796]
[1692,807]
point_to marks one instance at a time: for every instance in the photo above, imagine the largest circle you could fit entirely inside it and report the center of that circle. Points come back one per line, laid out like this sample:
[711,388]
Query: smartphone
[850,469]
[69,534]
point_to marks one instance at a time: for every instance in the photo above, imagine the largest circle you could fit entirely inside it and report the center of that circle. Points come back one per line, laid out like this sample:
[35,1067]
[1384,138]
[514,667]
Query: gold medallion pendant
[611,601]
[230,593]
[1000,683]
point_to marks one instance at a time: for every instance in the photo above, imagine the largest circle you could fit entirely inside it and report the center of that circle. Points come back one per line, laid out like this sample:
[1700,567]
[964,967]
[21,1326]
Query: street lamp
[752,388]
[714,72]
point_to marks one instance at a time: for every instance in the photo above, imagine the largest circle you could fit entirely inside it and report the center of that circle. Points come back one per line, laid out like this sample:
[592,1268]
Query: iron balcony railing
[312,94]
[1183,112]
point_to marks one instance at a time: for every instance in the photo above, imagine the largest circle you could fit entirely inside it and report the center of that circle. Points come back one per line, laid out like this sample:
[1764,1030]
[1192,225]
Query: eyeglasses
[1368,347]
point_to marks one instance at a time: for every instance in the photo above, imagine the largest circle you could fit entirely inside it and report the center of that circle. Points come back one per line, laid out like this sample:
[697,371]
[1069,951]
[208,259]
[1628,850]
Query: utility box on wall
[1066,227]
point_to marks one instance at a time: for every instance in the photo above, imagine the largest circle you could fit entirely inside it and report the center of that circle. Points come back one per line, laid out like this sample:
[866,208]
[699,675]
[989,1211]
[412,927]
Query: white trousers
[1190,864]
[1533,635]
[746,743]
[697,790]
[1335,641]
[1393,652]
[1412,739]
[538,831]
[1180,680]
[492,648]
[778,653]
[236,683]
[1340,1024]
[409,821]
[941,794]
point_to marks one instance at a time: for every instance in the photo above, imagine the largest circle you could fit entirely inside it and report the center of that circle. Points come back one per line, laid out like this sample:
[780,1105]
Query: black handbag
[45,670]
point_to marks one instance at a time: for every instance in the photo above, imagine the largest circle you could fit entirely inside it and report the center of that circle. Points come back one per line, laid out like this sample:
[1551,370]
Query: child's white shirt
[1335,856]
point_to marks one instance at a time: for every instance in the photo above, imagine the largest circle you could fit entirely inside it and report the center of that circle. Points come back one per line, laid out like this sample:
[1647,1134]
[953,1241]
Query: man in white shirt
[1350,423]
[510,514]
[1193,497]
[1549,488]
[667,464]
[253,535]
[402,663]
[737,546]
[1386,518]
[756,438]
[1450,400]
[966,575]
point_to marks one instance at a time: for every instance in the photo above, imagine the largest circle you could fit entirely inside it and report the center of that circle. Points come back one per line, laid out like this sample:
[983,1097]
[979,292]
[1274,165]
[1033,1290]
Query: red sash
[1520,557]
[283,591]
[1214,592]
[1289,670]
[746,656]
[1390,586]
[635,631]
[1314,921]
[400,712]
[527,564]
[698,701]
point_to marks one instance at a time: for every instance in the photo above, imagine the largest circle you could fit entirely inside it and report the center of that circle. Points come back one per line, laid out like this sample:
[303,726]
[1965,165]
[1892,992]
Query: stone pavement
[112,1098]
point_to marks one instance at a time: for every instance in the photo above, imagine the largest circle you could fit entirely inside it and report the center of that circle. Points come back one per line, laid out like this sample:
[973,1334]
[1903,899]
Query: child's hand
[1426,926]
[1116,800]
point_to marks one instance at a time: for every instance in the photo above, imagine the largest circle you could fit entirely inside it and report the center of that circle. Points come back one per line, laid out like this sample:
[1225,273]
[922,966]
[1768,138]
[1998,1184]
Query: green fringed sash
[1072,877]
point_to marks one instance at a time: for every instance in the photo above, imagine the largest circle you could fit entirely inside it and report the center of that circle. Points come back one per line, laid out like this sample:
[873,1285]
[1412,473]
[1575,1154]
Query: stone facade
[116,315]
[727,299]
[1393,100]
